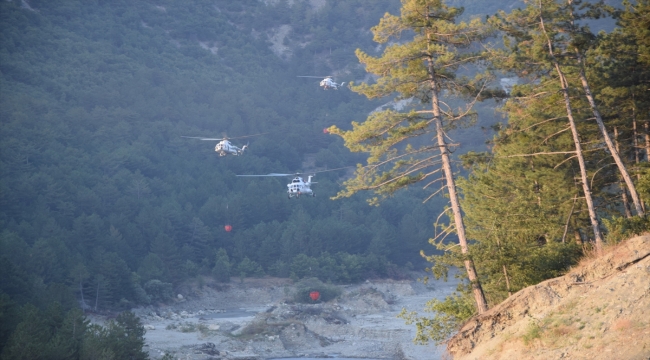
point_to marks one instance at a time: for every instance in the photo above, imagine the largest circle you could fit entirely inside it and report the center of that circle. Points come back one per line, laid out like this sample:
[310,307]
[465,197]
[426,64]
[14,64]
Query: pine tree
[532,54]
[620,70]
[222,266]
[424,69]
[199,239]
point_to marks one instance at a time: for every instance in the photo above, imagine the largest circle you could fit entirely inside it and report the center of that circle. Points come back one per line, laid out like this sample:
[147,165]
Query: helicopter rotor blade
[202,138]
[247,136]
[341,168]
[301,173]
[271,174]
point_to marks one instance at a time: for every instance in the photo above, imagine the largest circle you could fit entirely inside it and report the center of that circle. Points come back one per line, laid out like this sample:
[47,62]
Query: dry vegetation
[600,310]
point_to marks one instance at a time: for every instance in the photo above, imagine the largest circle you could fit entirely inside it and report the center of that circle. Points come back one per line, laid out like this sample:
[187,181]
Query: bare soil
[599,310]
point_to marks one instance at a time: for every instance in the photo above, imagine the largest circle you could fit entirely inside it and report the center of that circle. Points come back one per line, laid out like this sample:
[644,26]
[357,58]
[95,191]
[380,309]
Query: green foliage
[448,316]
[620,228]
[158,291]
[96,182]
[306,286]
[534,331]
[152,267]
[221,270]
[421,69]
[122,338]
[58,334]
[248,267]
[279,269]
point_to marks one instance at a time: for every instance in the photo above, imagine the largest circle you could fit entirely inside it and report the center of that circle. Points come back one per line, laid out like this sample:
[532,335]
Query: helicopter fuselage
[299,187]
[328,83]
[224,148]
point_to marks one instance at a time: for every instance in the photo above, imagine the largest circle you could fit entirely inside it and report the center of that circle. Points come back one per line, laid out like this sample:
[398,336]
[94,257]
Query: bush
[620,228]
[303,288]
[248,267]
[190,268]
[158,290]
[221,269]
[279,269]
[450,314]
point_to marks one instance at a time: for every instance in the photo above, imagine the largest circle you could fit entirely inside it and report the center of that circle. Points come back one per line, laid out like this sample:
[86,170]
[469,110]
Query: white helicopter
[224,146]
[298,186]
[327,83]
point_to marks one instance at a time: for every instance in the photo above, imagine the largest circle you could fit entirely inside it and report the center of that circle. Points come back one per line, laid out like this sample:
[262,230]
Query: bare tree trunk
[577,236]
[505,273]
[479,296]
[646,127]
[97,295]
[612,149]
[626,203]
[81,291]
[636,143]
[505,270]
[477,290]
[568,219]
[593,217]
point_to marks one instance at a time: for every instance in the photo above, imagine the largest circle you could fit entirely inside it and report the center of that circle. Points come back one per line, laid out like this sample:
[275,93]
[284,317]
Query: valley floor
[254,319]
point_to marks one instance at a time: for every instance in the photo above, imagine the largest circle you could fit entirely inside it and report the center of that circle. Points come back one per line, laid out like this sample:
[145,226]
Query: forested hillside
[105,206]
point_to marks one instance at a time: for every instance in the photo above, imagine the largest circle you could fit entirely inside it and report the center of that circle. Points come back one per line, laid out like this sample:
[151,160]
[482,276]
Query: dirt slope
[600,310]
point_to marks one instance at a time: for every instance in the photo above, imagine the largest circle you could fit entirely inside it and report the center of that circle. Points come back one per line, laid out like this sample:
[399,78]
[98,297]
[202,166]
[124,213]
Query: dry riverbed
[257,319]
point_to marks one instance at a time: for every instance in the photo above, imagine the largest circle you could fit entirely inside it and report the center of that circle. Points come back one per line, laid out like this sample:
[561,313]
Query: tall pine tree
[424,69]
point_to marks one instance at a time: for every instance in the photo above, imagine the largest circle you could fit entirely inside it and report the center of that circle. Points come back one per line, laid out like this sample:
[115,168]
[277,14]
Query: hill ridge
[596,311]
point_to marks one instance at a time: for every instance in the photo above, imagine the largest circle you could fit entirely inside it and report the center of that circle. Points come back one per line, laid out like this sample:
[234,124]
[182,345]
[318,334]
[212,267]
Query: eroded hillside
[600,310]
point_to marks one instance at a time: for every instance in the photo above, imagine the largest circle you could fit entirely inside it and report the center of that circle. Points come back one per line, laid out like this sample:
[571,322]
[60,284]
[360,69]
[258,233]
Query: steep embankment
[600,310]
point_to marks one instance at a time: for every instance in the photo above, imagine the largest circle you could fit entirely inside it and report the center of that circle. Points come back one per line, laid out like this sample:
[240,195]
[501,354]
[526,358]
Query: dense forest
[105,206]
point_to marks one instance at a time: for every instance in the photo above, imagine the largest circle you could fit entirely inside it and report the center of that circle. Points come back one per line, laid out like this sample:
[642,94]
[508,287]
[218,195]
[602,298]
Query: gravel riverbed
[256,319]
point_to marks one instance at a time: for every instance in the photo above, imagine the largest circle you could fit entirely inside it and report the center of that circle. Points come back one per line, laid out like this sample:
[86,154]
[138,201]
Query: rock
[207,349]
[179,296]
[213,327]
[149,327]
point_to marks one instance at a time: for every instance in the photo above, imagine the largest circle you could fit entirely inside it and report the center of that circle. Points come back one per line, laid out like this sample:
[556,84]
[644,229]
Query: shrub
[158,290]
[279,269]
[221,270]
[450,314]
[620,228]
[303,288]
[248,267]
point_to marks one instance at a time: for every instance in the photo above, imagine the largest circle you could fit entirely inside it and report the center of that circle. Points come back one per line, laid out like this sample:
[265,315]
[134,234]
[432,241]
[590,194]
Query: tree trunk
[577,236]
[505,270]
[477,290]
[81,291]
[568,219]
[626,203]
[636,143]
[97,296]
[505,273]
[601,125]
[647,141]
[593,217]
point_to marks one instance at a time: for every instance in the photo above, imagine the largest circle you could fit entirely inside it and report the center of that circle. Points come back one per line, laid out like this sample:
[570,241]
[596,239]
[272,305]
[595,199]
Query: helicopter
[298,186]
[224,146]
[327,83]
